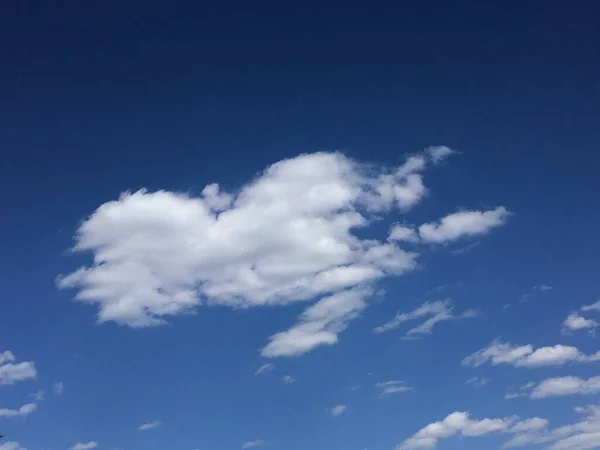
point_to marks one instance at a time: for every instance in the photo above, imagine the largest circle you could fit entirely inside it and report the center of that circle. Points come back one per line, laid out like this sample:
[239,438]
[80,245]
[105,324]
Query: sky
[289,227]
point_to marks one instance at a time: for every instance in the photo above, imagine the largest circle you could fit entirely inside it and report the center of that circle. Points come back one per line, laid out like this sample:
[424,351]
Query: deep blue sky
[97,98]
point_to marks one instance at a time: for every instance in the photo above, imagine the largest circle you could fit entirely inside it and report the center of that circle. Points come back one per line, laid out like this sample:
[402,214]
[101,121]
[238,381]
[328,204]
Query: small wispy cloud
[254,443]
[338,410]
[387,388]
[59,388]
[264,368]
[150,425]
[85,445]
[478,382]
[37,396]
[435,312]
[535,290]
[465,249]
[288,379]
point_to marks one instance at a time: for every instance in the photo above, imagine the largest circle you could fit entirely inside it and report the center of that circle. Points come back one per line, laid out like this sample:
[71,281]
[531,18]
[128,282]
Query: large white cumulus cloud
[289,235]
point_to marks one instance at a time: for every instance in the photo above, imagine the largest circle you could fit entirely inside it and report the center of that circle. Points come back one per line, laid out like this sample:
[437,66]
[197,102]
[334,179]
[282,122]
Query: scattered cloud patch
[11,372]
[581,435]
[85,445]
[463,224]
[465,249]
[59,388]
[11,445]
[319,325]
[150,425]
[403,233]
[338,410]
[439,153]
[23,411]
[264,368]
[252,444]
[562,386]
[37,396]
[478,382]
[432,313]
[392,387]
[576,322]
[459,423]
[543,288]
[288,379]
[525,356]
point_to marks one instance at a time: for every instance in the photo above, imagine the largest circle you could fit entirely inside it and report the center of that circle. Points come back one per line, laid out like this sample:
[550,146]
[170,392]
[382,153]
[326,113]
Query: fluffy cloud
[435,312]
[459,423]
[6,356]
[582,435]
[387,388]
[403,233]
[463,223]
[338,410]
[11,445]
[576,322]
[11,373]
[264,368]
[23,411]
[252,444]
[149,425]
[85,445]
[289,235]
[561,386]
[525,356]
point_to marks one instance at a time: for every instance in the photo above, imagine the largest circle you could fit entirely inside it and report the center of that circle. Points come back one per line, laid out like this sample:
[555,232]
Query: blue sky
[299,227]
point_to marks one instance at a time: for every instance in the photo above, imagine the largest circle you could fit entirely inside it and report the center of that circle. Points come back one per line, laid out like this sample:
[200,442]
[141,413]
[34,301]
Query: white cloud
[581,435]
[6,357]
[85,445]
[387,388]
[403,233]
[338,410]
[561,386]
[59,388]
[287,236]
[525,356]
[23,411]
[11,445]
[318,325]
[463,223]
[439,153]
[459,423]
[252,444]
[288,379]
[149,425]
[11,373]
[543,287]
[576,322]
[478,382]
[264,368]
[436,312]
[592,307]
